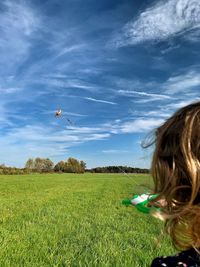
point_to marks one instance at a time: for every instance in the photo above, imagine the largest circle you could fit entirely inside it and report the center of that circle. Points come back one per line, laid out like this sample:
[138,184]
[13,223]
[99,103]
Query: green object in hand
[141,202]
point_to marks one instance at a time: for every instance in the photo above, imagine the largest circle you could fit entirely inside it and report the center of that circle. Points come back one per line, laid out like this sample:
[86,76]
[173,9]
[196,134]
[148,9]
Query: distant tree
[72,165]
[12,170]
[60,166]
[38,166]
[83,165]
[47,165]
[118,169]
[2,165]
[29,164]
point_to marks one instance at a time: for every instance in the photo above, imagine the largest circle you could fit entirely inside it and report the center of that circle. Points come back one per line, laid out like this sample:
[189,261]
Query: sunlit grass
[75,220]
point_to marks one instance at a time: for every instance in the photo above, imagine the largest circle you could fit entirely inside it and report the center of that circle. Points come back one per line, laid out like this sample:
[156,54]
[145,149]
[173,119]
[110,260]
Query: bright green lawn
[75,220]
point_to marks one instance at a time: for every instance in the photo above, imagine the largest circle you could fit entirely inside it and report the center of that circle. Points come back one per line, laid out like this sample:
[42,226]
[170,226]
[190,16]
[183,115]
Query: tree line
[118,169]
[45,165]
[12,170]
[71,165]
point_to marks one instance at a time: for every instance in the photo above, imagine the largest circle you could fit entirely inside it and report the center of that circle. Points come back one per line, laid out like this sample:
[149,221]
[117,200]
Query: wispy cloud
[114,151]
[9,90]
[180,104]
[182,86]
[100,101]
[169,48]
[161,21]
[74,114]
[67,83]
[140,125]
[70,49]
[118,127]
[52,112]
[145,92]
[4,119]
[18,23]
[182,83]
[84,130]
[164,110]
[149,96]
[35,140]
[159,113]
[21,17]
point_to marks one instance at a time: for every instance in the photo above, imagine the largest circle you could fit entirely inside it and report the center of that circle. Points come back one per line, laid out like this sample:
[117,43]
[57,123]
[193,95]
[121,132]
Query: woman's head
[176,172]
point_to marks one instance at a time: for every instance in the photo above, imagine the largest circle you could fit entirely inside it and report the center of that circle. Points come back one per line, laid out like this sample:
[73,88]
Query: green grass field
[75,220]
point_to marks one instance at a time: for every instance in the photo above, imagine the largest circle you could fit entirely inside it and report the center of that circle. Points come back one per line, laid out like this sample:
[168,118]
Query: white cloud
[159,113]
[40,135]
[180,104]
[145,92]
[114,151]
[84,130]
[56,76]
[37,140]
[8,113]
[9,90]
[182,83]
[74,114]
[100,101]
[150,96]
[140,125]
[18,23]
[165,110]
[81,85]
[160,21]
[4,120]
[20,16]
[133,126]
[69,49]
[97,136]
[68,83]
[169,48]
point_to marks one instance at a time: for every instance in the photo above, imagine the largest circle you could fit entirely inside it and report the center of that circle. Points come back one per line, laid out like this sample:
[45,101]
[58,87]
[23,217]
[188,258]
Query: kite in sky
[58,113]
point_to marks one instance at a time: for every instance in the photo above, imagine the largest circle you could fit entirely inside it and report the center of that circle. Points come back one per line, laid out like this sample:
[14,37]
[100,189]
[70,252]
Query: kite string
[122,171]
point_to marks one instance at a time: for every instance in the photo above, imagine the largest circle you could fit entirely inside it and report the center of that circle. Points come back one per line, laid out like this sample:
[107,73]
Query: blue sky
[117,69]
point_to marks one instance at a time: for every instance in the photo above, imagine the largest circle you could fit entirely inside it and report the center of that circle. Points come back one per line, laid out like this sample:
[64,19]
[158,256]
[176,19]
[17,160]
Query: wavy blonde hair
[175,170]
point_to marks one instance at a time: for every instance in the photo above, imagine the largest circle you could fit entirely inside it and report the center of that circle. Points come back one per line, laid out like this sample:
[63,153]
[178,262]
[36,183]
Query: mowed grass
[76,220]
